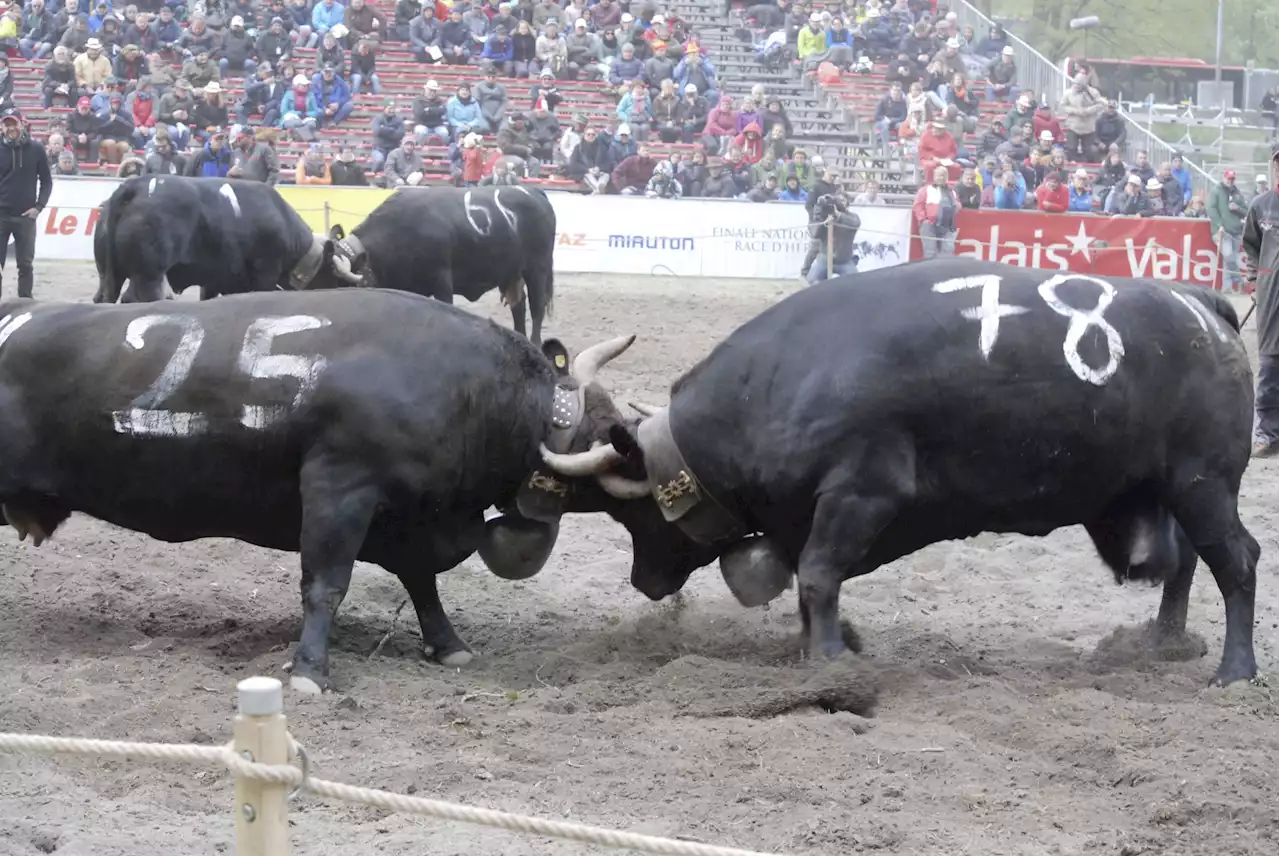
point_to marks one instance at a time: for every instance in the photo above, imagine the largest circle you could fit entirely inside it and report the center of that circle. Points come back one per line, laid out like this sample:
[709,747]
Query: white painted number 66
[144,415]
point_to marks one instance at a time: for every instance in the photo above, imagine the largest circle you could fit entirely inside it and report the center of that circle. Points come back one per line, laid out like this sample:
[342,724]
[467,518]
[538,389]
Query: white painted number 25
[145,415]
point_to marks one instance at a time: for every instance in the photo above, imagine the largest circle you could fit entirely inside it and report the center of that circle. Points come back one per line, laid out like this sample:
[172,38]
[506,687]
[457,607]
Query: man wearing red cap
[25,185]
[1260,248]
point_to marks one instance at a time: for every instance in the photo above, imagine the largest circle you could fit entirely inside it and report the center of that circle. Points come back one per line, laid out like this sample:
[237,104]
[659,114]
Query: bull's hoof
[306,686]
[453,658]
[1238,669]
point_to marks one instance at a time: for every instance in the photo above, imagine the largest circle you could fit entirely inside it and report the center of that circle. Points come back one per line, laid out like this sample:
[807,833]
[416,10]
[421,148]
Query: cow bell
[516,548]
[756,570]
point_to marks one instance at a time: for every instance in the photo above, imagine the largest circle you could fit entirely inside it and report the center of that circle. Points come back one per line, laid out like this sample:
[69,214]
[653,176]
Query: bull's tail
[551,267]
[104,242]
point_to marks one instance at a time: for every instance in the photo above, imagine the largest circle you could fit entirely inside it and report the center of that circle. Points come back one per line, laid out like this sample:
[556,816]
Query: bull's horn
[342,267]
[588,363]
[599,458]
[621,487]
[644,409]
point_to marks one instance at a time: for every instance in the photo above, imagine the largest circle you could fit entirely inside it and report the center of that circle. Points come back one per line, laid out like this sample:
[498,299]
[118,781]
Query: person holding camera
[831,212]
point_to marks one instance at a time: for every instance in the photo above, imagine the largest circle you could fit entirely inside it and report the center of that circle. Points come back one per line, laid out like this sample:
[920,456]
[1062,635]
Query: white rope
[35,744]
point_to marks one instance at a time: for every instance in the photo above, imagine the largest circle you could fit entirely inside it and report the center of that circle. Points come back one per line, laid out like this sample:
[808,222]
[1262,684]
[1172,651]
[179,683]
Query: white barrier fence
[595,234]
[259,757]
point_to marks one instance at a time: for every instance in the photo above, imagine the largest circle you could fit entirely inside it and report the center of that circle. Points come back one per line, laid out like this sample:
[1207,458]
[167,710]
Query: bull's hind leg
[1207,508]
[1139,539]
[337,507]
[539,284]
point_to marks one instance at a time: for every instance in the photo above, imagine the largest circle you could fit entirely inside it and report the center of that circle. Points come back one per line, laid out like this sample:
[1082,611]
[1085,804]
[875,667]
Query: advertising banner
[1158,247]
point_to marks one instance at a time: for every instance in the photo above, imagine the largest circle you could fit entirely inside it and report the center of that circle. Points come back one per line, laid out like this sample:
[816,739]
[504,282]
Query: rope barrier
[301,781]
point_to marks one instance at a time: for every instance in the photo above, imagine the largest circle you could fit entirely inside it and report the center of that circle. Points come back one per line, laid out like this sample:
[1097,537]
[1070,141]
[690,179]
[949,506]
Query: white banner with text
[595,234]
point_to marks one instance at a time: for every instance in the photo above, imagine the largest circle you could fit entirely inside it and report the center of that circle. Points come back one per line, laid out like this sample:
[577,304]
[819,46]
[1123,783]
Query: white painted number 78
[145,415]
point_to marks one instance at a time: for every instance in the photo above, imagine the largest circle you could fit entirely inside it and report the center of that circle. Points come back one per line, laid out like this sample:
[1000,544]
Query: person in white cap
[92,67]
[429,115]
[1002,77]
[1080,107]
[237,54]
[25,185]
[582,49]
[1261,253]
[1260,187]
[1127,201]
[811,39]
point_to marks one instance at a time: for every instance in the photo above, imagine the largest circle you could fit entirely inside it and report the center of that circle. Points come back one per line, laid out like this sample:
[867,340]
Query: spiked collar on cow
[544,494]
[349,248]
[306,269]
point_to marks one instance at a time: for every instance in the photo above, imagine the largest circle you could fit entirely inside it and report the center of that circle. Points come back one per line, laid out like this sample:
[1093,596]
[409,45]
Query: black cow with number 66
[867,417]
[373,425]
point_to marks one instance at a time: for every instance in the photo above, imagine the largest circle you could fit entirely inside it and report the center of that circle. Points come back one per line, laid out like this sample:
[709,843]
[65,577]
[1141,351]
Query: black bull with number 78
[373,425]
[870,416]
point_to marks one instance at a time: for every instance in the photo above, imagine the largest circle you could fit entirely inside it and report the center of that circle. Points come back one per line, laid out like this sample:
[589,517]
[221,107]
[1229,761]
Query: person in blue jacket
[1010,192]
[500,50]
[793,192]
[214,160]
[1081,194]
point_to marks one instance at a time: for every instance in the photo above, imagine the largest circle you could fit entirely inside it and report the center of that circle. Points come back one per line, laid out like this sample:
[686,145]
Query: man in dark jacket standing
[1260,248]
[25,185]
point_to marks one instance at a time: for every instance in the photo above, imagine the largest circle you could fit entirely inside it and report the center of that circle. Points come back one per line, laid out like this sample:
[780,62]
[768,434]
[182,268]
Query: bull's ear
[558,355]
[337,232]
[625,443]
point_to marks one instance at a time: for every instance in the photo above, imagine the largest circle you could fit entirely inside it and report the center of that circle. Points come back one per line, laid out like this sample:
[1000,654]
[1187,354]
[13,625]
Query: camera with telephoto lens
[825,206]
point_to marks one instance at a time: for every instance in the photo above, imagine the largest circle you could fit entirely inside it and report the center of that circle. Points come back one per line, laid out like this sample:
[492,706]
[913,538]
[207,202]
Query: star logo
[1080,241]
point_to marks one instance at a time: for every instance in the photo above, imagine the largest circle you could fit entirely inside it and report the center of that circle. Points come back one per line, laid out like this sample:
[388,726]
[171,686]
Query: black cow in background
[869,416]
[342,425]
[442,241]
[227,236]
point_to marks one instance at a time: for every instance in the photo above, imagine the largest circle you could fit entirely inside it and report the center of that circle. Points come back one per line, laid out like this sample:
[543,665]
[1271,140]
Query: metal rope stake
[262,737]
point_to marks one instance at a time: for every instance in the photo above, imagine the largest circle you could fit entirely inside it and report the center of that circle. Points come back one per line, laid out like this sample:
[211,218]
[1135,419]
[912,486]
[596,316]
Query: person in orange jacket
[1053,196]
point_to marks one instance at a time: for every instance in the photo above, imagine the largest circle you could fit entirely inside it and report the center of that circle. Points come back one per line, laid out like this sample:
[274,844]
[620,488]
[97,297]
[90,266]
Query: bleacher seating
[833,120]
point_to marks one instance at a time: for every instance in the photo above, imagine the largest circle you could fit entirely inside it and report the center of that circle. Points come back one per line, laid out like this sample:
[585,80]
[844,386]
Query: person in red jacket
[751,144]
[472,160]
[1053,196]
[142,106]
[938,148]
[1044,120]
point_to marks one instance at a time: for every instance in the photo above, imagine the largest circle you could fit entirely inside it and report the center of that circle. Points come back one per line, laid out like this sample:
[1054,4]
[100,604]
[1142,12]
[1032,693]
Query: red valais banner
[1157,247]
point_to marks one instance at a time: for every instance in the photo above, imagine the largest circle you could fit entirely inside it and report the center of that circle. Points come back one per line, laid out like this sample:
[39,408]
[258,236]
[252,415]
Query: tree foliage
[1150,28]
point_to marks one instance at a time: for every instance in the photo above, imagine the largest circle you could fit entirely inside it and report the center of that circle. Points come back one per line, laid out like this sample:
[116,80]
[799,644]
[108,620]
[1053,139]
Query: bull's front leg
[336,511]
[844,526]
[439,640]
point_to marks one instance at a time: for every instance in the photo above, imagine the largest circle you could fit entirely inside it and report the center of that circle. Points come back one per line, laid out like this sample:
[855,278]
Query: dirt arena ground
[1001,724]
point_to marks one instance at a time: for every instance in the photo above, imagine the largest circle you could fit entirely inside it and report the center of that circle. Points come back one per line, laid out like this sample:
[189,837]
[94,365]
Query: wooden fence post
[262,736]
[327,224]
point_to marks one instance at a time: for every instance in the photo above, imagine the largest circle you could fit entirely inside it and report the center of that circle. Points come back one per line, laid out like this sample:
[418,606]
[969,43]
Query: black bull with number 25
[867,417]
[344,425]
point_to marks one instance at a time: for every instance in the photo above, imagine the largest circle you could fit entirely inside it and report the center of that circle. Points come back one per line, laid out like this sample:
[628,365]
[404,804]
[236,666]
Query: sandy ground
[692,718]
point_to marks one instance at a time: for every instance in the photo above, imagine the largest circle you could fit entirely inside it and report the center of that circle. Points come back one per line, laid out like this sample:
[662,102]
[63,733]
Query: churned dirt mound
[1006,700]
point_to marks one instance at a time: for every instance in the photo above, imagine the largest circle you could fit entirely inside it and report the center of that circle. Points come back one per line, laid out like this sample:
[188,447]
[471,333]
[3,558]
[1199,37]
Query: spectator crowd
[212,87]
